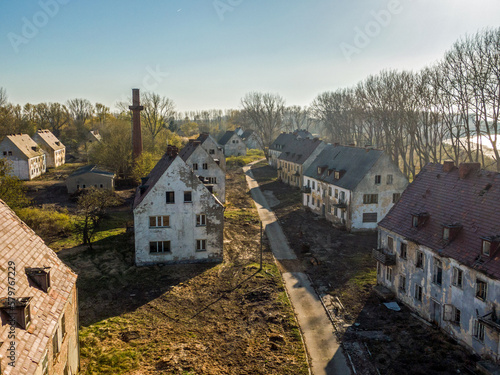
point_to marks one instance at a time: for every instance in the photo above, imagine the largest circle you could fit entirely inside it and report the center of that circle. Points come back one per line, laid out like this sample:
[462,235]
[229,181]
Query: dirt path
[322,346]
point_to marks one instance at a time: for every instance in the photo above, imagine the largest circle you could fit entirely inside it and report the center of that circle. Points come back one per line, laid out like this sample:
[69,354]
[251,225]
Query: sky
[206,54]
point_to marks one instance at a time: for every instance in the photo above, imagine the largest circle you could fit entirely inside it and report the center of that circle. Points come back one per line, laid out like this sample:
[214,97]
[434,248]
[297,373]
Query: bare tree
[157,113]
[3,97]
[265,113]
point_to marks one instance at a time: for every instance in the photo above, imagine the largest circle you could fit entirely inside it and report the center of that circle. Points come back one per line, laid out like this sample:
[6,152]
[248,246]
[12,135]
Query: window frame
[201,220]
[378,179]
[437,272]
[403,250]
[396,197]
[457,277]
[201,245]
[390,179]
[168,195]
[420,259]
[188,194]
[418,295]
[478,331]
[159,221]
[481,292]
[162,247]
[370,198]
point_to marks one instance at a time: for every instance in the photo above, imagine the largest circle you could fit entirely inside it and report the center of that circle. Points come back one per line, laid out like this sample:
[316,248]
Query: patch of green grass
[242,215]
[240,161]
[364,277]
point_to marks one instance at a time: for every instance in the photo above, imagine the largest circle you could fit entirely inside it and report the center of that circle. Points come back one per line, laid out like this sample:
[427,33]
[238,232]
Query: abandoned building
[278,146]
[90,176]
[232,144]
[55,152]
[38,304]
[25,156]
[352,186]
[251,139]
[94,136]
[206,168]
[296,157]
[176,218]
[213,148]
[439,252]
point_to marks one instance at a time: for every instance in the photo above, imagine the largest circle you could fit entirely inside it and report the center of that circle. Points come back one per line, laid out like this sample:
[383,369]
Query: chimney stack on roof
[136,109]
[465,169]
[448,165]
[172,151]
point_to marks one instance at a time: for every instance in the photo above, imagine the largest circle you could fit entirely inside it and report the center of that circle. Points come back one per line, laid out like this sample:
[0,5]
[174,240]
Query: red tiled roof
[472,202]
[18,243]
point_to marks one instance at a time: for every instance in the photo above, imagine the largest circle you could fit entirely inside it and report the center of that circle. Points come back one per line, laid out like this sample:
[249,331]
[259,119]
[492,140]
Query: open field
[184,319]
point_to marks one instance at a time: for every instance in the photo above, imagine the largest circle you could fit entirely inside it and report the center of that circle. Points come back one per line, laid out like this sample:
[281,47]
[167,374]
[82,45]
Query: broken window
[452,314]
[403,250]
[481,289]
[39,277]
[201,245]
[418,292]
[201,220]
[388,274]
[195,166]
[389,179]
[188,198]
[486,248]
[336,193]
[159,247]
[17,310]
[342,195]
[395,197]
[211,151]
[437,274]
[55,344]
[478,331]
[170,197]
[330,191]
[337,175]
[457,277]
[212,180]
[205,166]
[63,326]
[390,243]
[370,198]
[402,284]
[159,221]
[420,259]
[378,178]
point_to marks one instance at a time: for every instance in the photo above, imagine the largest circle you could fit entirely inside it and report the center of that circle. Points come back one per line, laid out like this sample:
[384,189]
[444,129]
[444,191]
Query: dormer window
[450,231]
[419,219]
[337,175]
[39,277]
[489,245]
[17,310]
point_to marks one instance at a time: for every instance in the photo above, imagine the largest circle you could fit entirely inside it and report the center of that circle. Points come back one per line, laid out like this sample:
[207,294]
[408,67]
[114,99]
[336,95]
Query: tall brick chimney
[136,109]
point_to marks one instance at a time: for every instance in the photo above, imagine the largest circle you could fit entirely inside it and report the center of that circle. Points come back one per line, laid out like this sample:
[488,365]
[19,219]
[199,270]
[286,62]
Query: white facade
[178,220]
[214,149]
[25,157]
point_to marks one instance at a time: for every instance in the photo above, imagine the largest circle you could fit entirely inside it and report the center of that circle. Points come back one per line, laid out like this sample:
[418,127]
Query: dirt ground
[377,340]
[182,319]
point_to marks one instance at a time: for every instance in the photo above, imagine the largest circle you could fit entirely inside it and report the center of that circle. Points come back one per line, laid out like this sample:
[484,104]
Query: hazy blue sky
[208,53]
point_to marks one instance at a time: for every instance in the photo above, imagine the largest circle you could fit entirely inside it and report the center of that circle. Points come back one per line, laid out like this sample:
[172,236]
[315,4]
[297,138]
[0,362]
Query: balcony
[306,189]
[491,320]
[383,256]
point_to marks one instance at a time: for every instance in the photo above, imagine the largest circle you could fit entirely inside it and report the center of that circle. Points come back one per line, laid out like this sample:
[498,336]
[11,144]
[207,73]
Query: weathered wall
[87,180]
[441,297]
[22,167]
[235,146]
[200,157]
[183,231]
[383,167]
[215,151]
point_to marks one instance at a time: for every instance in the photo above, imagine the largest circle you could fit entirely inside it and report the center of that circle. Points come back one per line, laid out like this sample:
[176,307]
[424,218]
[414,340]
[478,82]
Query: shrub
[47,224]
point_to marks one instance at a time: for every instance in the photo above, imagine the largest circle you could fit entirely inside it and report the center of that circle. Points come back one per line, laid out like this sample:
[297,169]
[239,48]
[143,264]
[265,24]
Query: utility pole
[261,250]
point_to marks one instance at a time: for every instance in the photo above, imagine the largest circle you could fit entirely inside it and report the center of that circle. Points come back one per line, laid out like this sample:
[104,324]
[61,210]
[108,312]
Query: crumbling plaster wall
[200,156]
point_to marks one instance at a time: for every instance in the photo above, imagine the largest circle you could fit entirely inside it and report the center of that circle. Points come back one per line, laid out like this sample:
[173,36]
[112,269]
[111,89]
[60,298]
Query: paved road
[326,355]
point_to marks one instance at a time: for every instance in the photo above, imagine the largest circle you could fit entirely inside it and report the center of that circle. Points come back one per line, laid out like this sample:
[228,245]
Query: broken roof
[50,139]
[20,245]
[25,144]
[226,137]
[354,161]
[472,202]
[298,150]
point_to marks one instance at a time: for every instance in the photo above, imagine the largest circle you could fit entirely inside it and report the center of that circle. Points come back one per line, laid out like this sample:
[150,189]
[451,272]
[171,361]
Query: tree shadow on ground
[110,284]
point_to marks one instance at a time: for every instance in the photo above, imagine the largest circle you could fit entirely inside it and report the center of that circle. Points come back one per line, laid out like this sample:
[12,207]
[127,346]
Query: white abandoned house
[43,314]
[232,144]
[213,148]
[251,139]
[55,151]
[206,168]
[352,186]
[176,218]
[296,157]
[26,157]
[439,252]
